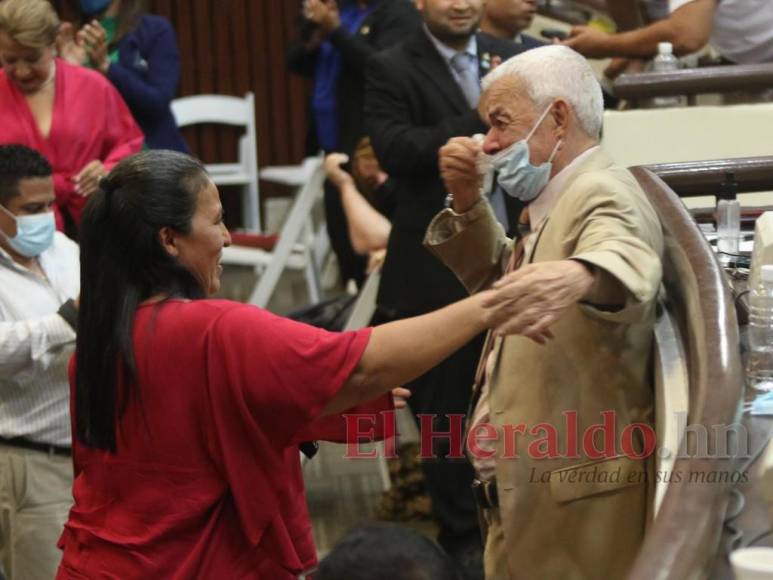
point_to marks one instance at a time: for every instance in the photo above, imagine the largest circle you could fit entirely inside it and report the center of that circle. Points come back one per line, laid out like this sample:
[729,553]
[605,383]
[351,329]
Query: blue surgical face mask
[94,7]
[34,233]
[515,173]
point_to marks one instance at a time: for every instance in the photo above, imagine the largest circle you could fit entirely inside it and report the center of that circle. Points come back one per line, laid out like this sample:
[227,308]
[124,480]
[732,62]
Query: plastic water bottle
[728,220]
[665,61]
[760,365]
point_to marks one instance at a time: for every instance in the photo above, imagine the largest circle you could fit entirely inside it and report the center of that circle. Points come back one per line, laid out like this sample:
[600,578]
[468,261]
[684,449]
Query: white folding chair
[239,112]
[296,247]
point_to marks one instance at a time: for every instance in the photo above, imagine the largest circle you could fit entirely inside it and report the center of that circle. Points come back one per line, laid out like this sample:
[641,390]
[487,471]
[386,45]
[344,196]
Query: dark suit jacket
[412,107]
[147,74]
[389,23]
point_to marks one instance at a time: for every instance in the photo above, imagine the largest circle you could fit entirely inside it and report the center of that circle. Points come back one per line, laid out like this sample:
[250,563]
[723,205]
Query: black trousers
[445,390]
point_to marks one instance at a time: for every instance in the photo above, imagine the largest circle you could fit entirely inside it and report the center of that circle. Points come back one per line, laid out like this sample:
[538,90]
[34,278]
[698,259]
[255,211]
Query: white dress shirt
[742,31]
[36,344]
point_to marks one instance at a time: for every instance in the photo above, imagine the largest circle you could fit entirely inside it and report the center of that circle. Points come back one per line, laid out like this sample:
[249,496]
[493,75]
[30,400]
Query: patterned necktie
[464,65]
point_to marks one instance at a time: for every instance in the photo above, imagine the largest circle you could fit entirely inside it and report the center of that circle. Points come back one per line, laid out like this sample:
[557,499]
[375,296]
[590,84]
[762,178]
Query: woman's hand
[87,180]
[335,173]
[68,47]
[400,396]
[93,37]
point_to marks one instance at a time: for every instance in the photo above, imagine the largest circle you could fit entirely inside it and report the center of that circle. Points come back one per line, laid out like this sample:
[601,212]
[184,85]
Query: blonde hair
[31,23]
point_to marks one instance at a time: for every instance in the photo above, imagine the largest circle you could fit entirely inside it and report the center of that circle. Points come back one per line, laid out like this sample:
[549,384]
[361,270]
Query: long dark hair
[128,18]
[122,264]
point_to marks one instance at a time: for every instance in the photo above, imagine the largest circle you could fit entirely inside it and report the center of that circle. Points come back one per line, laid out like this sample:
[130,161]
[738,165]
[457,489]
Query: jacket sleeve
[396,22]
[301,61]
[404,148]
[149,95]
[472,245]
[619,233]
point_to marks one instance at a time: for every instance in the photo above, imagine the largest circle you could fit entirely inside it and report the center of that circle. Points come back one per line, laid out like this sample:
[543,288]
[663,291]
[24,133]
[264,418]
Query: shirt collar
[540,208]
[447,52]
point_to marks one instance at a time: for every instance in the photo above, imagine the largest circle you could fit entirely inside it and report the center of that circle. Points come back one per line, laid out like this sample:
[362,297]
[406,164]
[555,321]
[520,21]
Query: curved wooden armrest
[710,79]
[696,178]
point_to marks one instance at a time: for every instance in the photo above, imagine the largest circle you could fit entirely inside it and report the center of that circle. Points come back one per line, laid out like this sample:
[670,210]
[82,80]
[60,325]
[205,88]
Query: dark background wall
[231,47]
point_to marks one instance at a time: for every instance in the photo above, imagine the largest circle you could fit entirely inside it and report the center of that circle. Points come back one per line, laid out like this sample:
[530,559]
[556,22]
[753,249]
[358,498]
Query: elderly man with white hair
[559,430]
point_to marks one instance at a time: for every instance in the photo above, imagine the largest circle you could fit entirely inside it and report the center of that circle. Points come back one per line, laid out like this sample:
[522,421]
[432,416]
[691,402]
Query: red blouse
[90,121]
[206,481]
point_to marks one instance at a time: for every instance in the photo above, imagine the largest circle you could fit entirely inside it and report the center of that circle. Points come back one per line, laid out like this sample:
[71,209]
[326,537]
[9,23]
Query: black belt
[485,493]
[44,447]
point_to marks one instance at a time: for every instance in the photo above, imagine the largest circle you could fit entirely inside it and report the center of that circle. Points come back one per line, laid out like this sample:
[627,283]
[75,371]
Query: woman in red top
[186,411]
[71,115]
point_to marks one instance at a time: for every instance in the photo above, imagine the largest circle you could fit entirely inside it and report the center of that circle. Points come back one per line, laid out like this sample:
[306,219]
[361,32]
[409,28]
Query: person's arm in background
[368,229]
[398,22]
[402,147]
[35,341]
[688,29]
[302,54]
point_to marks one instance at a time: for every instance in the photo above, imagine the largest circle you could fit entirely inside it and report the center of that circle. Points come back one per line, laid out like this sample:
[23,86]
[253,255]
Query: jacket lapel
[598,160]
[427,58]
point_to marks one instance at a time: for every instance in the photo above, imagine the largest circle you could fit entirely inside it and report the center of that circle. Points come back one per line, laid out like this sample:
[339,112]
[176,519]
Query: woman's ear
[168,239]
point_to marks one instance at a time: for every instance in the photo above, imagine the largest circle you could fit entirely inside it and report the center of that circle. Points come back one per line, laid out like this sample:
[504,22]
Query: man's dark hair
[18,162]
[380,551]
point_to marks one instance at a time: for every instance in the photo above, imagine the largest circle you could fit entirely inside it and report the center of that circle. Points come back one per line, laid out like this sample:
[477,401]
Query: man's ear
[561,113]
[168,238]
[7,224]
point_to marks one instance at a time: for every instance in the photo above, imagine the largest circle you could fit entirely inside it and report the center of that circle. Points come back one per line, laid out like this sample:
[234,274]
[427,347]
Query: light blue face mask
[94,7]
[34,233]
[515,173]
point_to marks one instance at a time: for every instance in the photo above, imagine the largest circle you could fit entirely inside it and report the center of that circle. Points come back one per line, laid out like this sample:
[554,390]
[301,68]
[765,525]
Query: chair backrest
[292,230]
[683,538]
[238,112]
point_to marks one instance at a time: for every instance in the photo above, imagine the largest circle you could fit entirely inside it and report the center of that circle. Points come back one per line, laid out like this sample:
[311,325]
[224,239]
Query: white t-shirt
[743,29]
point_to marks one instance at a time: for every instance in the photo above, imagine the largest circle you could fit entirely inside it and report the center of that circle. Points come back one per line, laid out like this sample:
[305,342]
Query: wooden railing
[683,539]
[696,178]
[695,81]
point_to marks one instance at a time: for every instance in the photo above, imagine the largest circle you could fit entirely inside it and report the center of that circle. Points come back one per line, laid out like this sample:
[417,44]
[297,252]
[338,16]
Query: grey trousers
[35,498]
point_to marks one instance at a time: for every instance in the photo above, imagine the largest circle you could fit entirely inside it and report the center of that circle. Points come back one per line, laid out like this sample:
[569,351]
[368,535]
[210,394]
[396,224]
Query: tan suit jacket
[574,516]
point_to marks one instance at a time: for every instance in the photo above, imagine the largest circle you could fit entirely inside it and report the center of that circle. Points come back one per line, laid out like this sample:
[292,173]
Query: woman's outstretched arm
[398,352]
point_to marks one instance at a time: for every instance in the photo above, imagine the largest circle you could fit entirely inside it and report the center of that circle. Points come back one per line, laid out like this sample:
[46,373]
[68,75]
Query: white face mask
[515,173]
[34,233]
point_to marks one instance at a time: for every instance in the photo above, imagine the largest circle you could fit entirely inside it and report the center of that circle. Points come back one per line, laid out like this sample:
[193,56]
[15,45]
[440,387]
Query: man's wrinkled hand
[529,300]
[457,160]
[588,41]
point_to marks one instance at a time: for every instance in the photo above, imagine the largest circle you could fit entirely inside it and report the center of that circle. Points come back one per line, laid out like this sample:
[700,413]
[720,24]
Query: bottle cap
[728,189]
[766,273]
[665,48]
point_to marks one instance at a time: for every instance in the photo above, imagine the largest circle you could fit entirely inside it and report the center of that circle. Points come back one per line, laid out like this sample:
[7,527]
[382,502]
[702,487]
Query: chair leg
[312,279]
